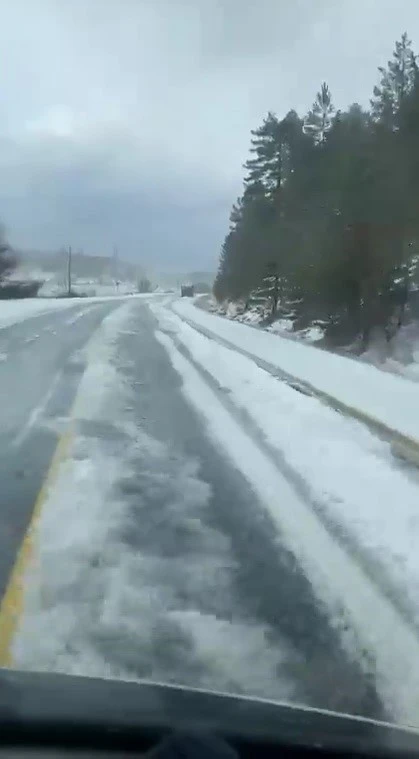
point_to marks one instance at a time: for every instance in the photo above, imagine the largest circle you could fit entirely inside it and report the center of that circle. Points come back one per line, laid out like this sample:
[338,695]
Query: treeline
[8,258]
[329,214]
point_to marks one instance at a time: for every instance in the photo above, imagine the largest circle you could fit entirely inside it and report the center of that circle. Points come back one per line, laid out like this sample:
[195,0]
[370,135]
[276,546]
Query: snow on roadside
[389,399]
[257,316]
[15,311]
[281,326]
[103,597]
[400,356]
[354,603]
[350,473]
[312,334]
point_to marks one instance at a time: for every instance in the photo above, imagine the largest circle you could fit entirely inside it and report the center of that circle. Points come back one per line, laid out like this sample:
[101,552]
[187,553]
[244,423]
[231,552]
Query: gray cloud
[128,120]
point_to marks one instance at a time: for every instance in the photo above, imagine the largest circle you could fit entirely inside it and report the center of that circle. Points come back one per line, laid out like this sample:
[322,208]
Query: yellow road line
[11,606]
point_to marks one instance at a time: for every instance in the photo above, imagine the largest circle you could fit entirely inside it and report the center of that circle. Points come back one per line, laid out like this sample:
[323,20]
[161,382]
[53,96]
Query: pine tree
[327,222]
[319,120]
[265,168]
[397,81]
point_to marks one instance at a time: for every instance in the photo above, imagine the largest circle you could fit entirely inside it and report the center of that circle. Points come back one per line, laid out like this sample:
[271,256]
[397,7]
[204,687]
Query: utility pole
[69,270]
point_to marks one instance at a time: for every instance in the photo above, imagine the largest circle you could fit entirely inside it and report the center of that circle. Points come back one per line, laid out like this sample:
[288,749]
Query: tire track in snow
[268,581]
[130,579]
[339,582]
[155,558]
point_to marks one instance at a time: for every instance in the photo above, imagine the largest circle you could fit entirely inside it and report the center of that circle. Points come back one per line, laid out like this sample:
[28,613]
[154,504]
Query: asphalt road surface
[223,562]
[39,374]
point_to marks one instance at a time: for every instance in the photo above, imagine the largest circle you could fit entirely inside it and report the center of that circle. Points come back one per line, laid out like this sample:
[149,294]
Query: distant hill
[97,268]
[175,279]
[202,276]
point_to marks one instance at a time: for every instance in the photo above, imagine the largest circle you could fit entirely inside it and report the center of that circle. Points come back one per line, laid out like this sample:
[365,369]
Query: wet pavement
[39,372]
[193,583]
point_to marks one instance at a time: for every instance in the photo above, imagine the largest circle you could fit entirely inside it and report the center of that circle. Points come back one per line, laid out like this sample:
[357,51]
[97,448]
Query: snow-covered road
[40,367]
[209,525]
[17,311]
[336,505]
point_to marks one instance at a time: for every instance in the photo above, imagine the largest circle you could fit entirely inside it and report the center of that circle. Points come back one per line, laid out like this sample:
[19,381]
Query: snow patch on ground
[312,334]
[234,309]
[257,316]
[282,325]
[400,355]
[285,327]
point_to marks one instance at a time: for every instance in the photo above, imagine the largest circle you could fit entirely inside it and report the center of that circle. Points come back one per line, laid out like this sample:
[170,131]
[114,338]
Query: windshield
[209,347]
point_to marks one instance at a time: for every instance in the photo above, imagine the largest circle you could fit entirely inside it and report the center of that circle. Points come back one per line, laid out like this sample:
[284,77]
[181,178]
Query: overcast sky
[127,121]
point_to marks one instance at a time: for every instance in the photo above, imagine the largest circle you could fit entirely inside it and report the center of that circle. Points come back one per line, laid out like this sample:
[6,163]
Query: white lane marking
[36,413]
[336,578]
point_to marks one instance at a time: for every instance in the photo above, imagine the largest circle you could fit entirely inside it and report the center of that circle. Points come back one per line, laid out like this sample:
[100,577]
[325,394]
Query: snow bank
[257,316]
[386,399]
[14,311]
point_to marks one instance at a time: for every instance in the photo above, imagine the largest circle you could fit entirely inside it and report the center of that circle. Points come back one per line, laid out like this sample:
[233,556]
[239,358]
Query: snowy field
[87,288]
